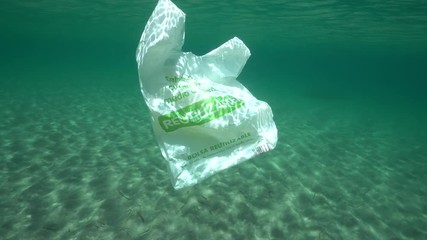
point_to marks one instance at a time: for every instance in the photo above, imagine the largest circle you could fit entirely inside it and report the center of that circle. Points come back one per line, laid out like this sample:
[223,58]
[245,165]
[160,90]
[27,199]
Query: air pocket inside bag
[204,120]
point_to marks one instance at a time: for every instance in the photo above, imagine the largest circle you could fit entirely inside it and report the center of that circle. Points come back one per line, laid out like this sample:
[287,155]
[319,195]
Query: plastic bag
[204,120]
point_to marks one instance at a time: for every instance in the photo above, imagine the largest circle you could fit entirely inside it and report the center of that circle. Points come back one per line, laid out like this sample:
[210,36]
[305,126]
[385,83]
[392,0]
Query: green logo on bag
[199,112]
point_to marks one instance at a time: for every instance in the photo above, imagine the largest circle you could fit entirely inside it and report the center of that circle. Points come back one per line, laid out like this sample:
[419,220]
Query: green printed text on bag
[199,113]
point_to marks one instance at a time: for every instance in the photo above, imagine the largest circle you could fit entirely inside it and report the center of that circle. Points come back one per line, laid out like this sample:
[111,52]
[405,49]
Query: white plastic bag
[204,120]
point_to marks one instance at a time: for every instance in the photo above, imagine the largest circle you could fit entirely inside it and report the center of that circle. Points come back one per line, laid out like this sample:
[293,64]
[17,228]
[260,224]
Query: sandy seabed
[82,163]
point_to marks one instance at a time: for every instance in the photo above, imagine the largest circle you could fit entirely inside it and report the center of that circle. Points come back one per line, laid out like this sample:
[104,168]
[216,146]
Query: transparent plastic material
[204,120]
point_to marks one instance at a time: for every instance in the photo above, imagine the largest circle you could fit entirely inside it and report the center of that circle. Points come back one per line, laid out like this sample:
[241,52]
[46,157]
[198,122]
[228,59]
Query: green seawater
[346,80]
